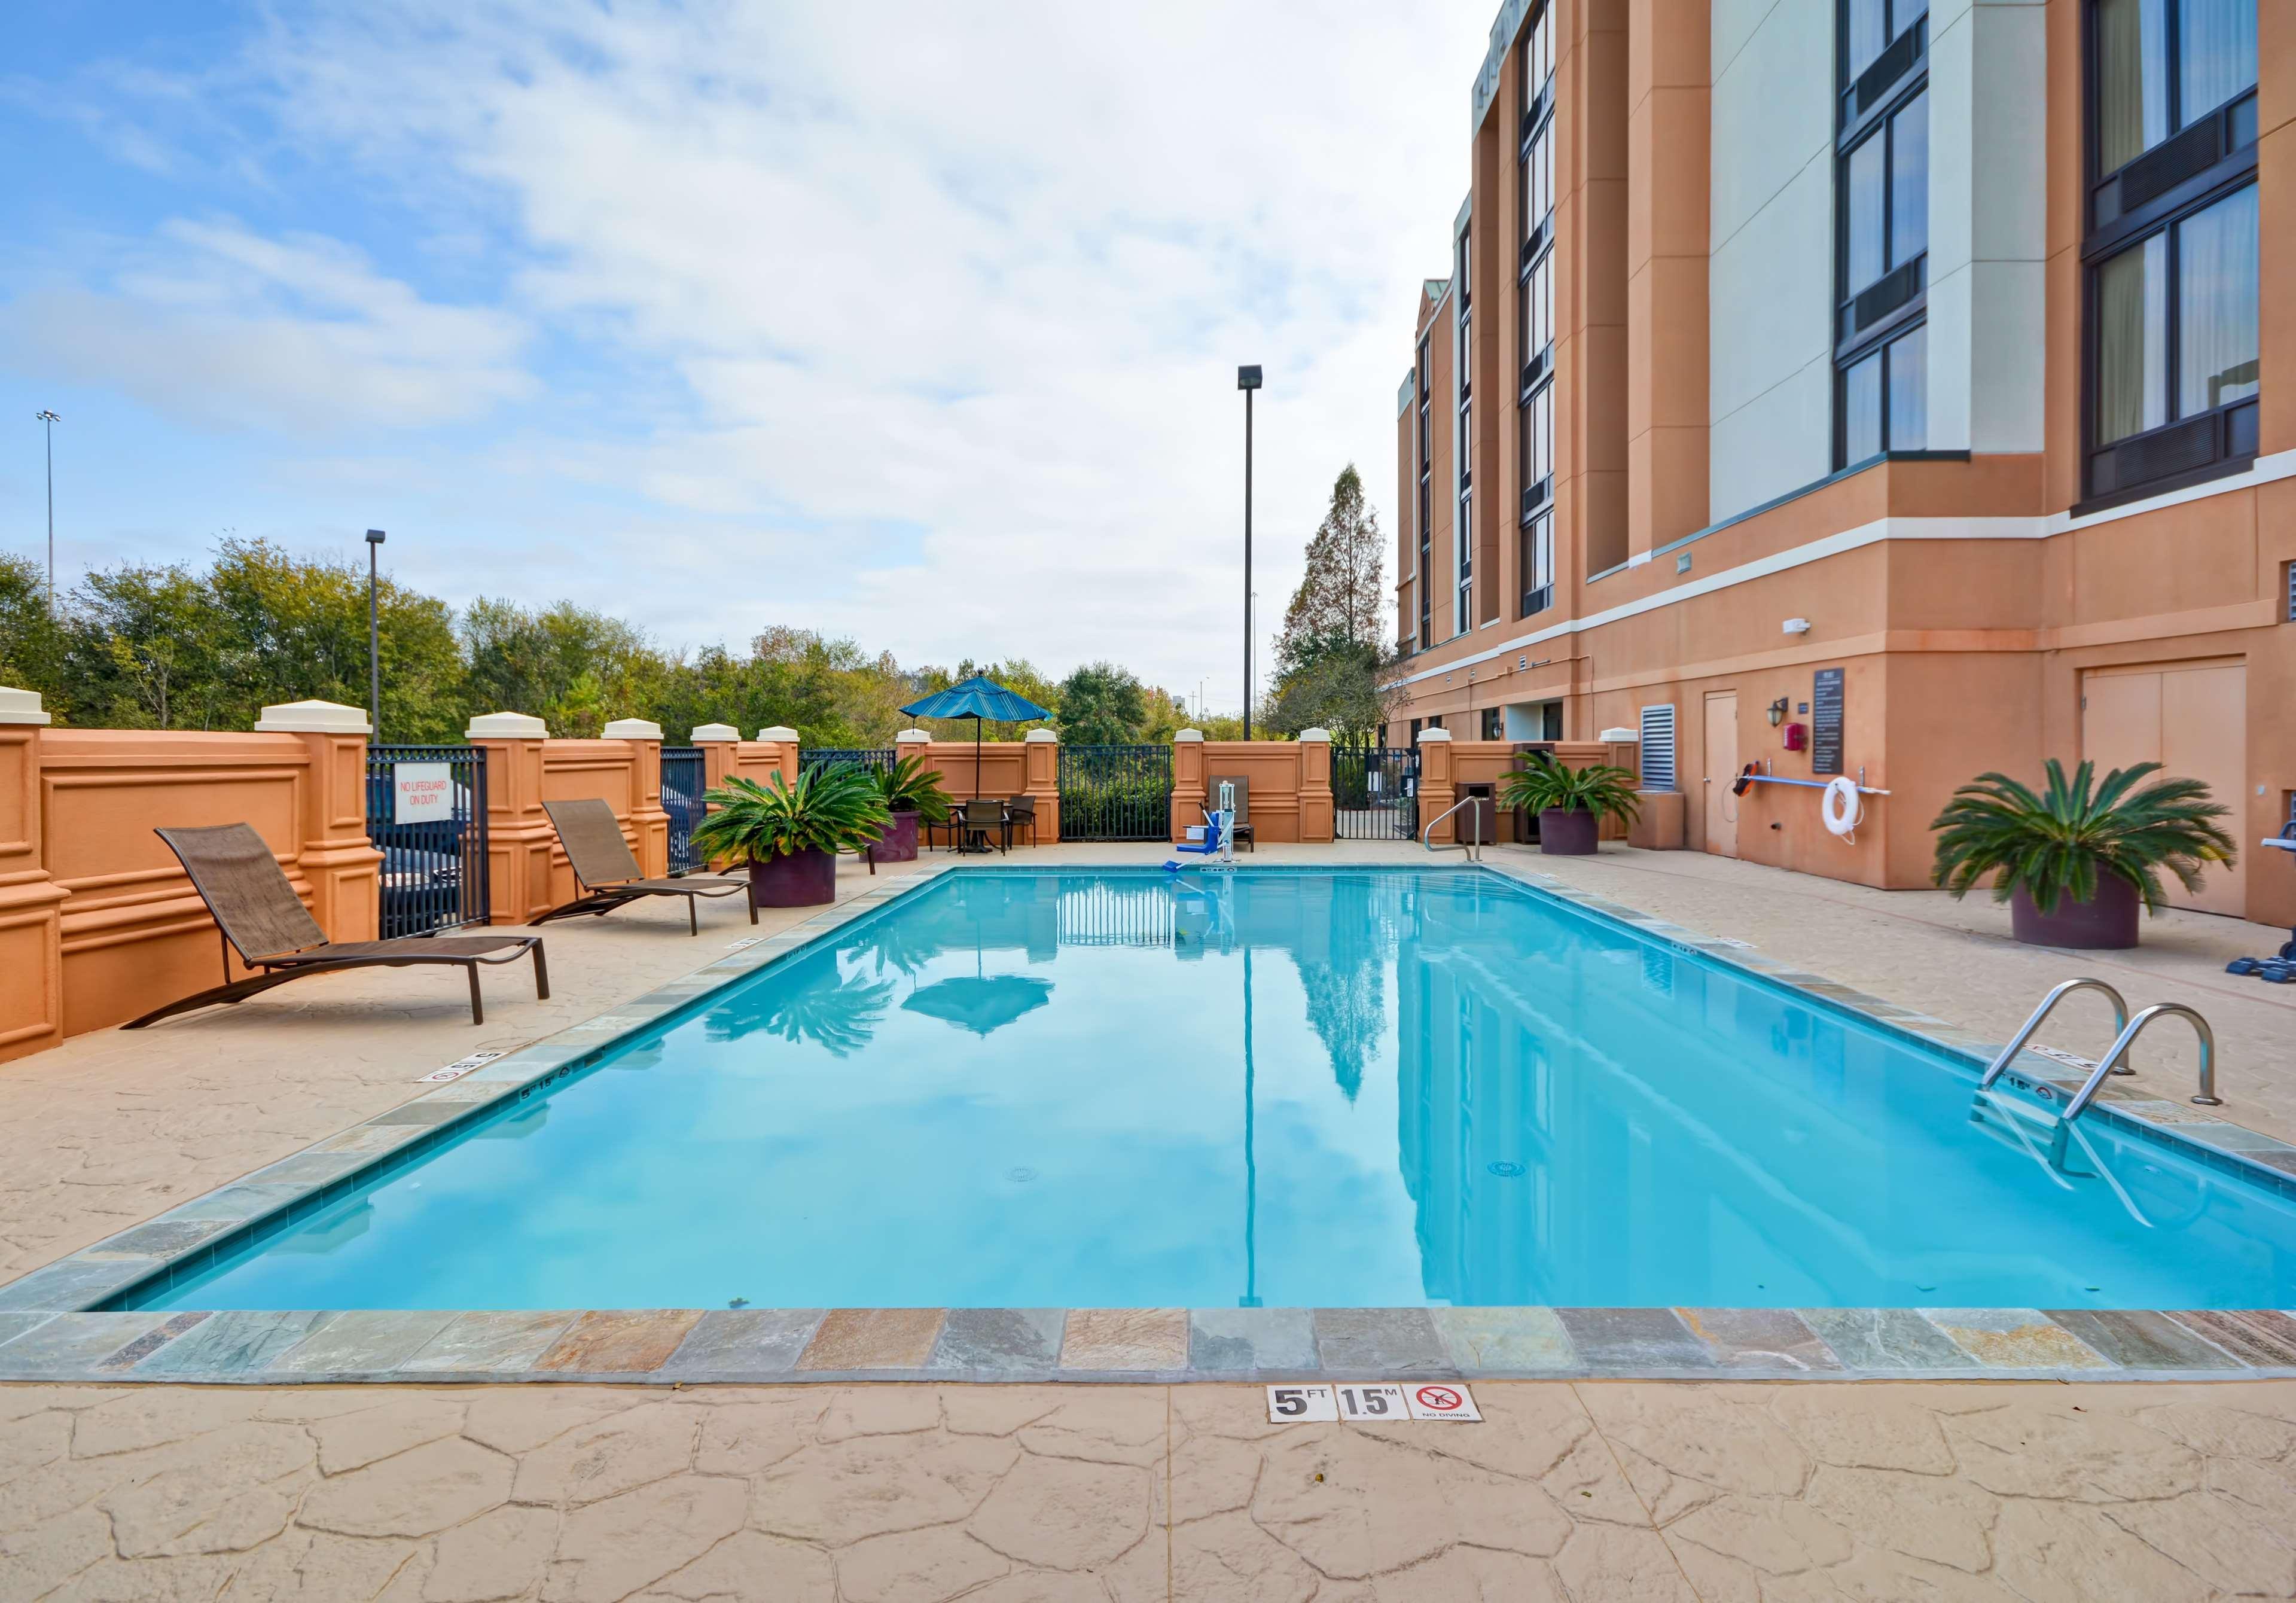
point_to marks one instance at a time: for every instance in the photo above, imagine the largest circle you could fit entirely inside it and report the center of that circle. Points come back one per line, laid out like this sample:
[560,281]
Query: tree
[1341,601]
[31,642]
[1347,688]
[1102,705]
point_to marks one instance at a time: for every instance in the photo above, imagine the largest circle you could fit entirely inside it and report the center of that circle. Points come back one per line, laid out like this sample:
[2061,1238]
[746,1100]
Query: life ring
[1841,805]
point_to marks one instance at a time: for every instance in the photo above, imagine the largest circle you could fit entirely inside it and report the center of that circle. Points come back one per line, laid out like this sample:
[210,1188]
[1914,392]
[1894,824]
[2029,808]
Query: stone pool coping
[54,1324]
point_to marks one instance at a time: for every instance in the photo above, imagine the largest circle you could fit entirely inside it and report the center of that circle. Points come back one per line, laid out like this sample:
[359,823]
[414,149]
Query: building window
[1537,77]
[1426,502]
[1463,531]
[2172,247]
[1539,564]
[1491,721]
[1536,415]
[1535,315]
[1881,254]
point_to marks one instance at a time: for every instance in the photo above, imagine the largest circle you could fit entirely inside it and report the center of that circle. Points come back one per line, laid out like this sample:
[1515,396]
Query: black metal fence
[684,776]
[1374,793]
[811,758]
[426,811]
[1115,793]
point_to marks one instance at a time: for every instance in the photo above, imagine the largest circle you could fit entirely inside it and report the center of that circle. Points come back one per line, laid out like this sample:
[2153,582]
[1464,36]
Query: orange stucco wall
[98,923]
[1289,786]
[528,872]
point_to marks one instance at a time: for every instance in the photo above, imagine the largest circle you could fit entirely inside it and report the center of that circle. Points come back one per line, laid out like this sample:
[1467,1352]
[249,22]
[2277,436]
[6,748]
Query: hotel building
[1875,387]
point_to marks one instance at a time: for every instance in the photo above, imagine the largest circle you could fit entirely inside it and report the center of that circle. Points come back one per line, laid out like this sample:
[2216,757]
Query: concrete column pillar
[31,927]
[648,821]
[1187,782]
[1667,118]
[784,757]
[337,856]
[1316,821]
[518,835]
[1436,784]
[717,744]
[1042,752]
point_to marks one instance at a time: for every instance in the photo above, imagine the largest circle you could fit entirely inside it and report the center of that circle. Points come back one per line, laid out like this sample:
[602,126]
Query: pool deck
[1712,1489]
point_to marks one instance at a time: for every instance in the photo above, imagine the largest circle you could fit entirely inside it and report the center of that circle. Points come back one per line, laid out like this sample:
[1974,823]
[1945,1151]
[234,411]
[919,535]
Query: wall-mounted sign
[421,793]
[1826,722]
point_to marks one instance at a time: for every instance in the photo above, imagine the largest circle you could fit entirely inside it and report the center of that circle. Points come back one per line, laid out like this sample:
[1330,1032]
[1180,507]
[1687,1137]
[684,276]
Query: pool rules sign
[421,793]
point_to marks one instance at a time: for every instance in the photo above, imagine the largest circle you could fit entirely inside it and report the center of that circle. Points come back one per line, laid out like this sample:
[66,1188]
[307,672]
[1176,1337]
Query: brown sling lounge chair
[258,912]
[610,877]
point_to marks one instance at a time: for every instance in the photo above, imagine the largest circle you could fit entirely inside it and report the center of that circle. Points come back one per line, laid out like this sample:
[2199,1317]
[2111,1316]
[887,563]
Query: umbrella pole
[976,757]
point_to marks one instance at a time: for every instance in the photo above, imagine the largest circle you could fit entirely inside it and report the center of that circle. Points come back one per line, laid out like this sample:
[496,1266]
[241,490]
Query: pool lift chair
[1217,832]
[2281,969]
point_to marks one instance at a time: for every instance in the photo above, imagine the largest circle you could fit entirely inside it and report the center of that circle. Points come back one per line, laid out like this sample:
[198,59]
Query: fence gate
[812,758]
[684,776]
[1374,793]
[426,811]
[1115,793]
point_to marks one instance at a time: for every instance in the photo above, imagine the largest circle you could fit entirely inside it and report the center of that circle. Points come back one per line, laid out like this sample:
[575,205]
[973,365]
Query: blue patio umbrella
[977,698]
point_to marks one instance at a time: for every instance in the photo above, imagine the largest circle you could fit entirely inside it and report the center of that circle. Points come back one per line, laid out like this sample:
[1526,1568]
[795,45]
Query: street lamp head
[46,416]
[1247,378]
[375,536]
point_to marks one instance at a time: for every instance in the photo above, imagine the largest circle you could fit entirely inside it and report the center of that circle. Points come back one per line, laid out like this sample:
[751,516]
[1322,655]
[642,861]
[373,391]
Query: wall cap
[711,734]
[1427,735]
[632,728]
[1633,735]
[1041,738]
[20,706]
[779,732]
[1187,735]
[913,737]
[313,717]
[506,725]
[1322,734]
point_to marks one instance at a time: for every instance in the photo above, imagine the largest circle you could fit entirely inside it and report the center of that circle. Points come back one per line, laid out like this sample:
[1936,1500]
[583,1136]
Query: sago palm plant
[2055,845]
[910,786]
[827,810]
[1543,785]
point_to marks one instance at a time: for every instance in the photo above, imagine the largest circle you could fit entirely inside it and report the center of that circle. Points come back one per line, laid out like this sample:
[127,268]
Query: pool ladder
[2115,1060]
[1473,849]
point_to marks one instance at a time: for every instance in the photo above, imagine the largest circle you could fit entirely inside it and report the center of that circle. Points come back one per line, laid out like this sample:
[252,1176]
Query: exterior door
[2192,720]
[1721,768]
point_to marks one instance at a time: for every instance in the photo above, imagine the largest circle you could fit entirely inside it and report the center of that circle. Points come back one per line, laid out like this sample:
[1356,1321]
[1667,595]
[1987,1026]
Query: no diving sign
[1370,1403]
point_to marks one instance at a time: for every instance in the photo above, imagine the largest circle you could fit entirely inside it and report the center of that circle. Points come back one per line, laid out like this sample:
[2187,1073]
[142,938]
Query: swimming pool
[1268,1088]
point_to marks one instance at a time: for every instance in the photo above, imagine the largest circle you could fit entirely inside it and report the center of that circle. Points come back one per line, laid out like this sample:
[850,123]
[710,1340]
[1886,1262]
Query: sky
[917,324]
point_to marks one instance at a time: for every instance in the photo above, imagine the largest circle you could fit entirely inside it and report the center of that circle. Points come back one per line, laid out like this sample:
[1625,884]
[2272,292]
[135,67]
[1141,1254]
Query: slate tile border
[75,1318]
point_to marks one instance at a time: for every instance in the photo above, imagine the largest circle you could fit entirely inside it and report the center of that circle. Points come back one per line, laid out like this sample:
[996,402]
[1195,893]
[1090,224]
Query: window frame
[1534,281]
[2232,429]
[1426,490]
[1866,108]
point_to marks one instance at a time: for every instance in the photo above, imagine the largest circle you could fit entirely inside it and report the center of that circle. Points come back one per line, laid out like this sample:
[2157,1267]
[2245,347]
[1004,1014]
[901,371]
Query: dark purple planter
[1567,832]
[900,844]
[795,879]
[2107,924]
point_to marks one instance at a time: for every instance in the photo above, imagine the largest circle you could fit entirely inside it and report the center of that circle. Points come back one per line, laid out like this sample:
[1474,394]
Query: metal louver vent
[1658,748]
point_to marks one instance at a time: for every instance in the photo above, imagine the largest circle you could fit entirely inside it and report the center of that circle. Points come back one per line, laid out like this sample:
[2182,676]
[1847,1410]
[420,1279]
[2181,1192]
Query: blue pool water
[1377,1088]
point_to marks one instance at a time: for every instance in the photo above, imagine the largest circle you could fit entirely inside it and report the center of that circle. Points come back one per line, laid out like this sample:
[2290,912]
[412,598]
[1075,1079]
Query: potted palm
[790,834]
[2076,861]
[910,791]
[1571,803]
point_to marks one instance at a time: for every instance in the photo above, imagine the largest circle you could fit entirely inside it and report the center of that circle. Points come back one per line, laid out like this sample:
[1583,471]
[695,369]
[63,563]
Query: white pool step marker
[459,1068]
[1371,1404]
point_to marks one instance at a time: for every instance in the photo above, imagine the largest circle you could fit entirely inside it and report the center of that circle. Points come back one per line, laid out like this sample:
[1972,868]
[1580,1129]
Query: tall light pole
[50,420]
[1247,379]
[373,638]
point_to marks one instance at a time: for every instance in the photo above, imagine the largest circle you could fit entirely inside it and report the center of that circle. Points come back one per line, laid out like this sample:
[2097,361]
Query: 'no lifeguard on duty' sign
[421,793]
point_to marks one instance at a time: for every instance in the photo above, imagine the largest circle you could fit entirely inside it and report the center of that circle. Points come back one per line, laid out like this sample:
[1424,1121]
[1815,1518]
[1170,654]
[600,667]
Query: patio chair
[257,913]
[610,876]
[981,817]
[1240,827]
[1020,811]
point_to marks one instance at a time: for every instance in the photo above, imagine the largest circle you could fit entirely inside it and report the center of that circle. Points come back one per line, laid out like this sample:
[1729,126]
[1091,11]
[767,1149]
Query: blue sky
[914,323]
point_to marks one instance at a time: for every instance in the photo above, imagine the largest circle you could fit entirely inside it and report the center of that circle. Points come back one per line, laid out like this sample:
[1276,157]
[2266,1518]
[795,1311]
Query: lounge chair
[1240,827]
[610,877]
[258,912]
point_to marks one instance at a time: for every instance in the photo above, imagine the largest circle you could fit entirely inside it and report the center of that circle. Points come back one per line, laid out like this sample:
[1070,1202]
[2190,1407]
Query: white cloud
[929,315]
[219,327]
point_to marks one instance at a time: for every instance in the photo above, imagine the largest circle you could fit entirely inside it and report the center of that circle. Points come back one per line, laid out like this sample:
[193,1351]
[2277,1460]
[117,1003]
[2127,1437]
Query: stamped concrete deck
[1044,1494]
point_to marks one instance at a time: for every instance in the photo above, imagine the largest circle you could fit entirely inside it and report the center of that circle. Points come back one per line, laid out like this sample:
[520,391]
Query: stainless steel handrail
[2017,1042]
[1475,850]
[2127,1038]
